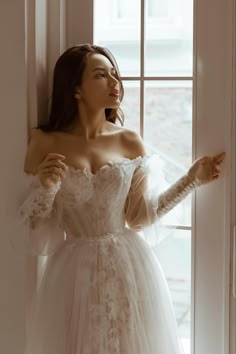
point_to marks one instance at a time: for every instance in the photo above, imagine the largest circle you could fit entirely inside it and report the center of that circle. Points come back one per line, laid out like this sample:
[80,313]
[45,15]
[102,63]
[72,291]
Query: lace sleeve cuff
[39,203]
[175,194]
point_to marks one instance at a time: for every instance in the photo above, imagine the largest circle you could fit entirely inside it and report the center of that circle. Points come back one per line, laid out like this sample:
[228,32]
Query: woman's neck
[90,125]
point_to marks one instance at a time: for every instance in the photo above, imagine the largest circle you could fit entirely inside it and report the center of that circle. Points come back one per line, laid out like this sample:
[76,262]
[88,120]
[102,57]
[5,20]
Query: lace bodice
[93,204]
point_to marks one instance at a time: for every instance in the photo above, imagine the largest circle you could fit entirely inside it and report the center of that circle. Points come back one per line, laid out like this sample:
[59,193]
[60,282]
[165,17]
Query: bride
[102,290]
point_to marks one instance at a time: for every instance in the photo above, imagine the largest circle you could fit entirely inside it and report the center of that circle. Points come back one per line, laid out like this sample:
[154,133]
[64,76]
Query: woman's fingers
[53,166]
[53,160]
[54,163]
[219,158]
[53,170]
[53,155]
[217,161]
[207,168]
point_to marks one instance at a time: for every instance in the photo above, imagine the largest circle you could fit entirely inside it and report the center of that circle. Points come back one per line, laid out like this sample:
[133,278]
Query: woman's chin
[113,106]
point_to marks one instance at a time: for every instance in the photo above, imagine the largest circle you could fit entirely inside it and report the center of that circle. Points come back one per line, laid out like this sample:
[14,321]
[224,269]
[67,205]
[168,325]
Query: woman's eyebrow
[103,69]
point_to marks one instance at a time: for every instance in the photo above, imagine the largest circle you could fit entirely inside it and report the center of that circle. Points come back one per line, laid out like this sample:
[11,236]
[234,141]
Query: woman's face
[100,86]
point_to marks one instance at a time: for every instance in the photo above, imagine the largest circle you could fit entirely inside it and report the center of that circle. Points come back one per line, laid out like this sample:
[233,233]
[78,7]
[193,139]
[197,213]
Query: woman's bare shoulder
[39,146]
[133,142]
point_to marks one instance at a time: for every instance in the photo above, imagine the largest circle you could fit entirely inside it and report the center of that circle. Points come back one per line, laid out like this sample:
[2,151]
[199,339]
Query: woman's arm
[204,170]
[144,207]
[39,202]
[175,194]
[40,211]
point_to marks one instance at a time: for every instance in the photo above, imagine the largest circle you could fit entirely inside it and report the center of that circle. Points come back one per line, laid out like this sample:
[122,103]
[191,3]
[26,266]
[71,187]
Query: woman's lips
[114,93]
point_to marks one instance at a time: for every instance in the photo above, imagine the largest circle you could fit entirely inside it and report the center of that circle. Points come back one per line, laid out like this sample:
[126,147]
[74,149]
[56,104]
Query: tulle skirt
[102,296]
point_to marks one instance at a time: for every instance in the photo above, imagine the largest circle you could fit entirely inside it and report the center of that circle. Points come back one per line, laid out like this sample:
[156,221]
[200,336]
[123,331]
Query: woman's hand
[52,170]
[207,169]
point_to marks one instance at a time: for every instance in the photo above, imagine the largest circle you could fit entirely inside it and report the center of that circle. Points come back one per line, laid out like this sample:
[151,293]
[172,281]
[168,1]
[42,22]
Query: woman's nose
[114,81]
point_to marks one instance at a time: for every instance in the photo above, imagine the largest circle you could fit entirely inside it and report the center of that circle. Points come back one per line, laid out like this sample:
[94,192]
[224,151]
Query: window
[158,88]
[157,9]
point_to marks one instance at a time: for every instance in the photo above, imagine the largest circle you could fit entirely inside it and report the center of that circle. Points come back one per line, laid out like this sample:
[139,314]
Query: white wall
[12,146]
[33,33]
[24,66]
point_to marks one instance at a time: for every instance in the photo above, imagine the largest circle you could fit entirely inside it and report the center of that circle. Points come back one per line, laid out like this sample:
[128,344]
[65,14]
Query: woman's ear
[77,93]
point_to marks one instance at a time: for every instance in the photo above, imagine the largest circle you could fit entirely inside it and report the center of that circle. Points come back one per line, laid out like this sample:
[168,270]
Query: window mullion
[158,78]
[142,44]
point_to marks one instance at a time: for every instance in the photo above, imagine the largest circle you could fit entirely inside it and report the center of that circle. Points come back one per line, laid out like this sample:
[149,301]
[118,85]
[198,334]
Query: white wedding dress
[102,289]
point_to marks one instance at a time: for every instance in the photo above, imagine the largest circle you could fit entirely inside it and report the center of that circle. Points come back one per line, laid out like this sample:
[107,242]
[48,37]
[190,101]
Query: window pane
[169,38]
[117,27]
[174,255]
[130,105]
[168,120]
[168,132]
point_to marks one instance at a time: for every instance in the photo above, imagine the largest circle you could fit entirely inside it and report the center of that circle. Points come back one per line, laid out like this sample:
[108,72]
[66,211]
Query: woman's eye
[100,75]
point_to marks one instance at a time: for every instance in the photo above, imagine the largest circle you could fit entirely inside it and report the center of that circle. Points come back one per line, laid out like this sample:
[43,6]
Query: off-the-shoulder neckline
[109,164]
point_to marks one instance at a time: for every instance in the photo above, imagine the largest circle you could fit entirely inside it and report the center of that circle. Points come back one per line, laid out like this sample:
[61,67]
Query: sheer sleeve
[39,216]
[146,202]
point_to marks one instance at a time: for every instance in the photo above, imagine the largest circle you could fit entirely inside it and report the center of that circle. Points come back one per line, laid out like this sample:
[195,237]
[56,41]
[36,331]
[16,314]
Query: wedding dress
[102,289]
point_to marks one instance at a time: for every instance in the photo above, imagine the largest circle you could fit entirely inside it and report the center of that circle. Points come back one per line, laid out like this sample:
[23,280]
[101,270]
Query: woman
[102,289]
